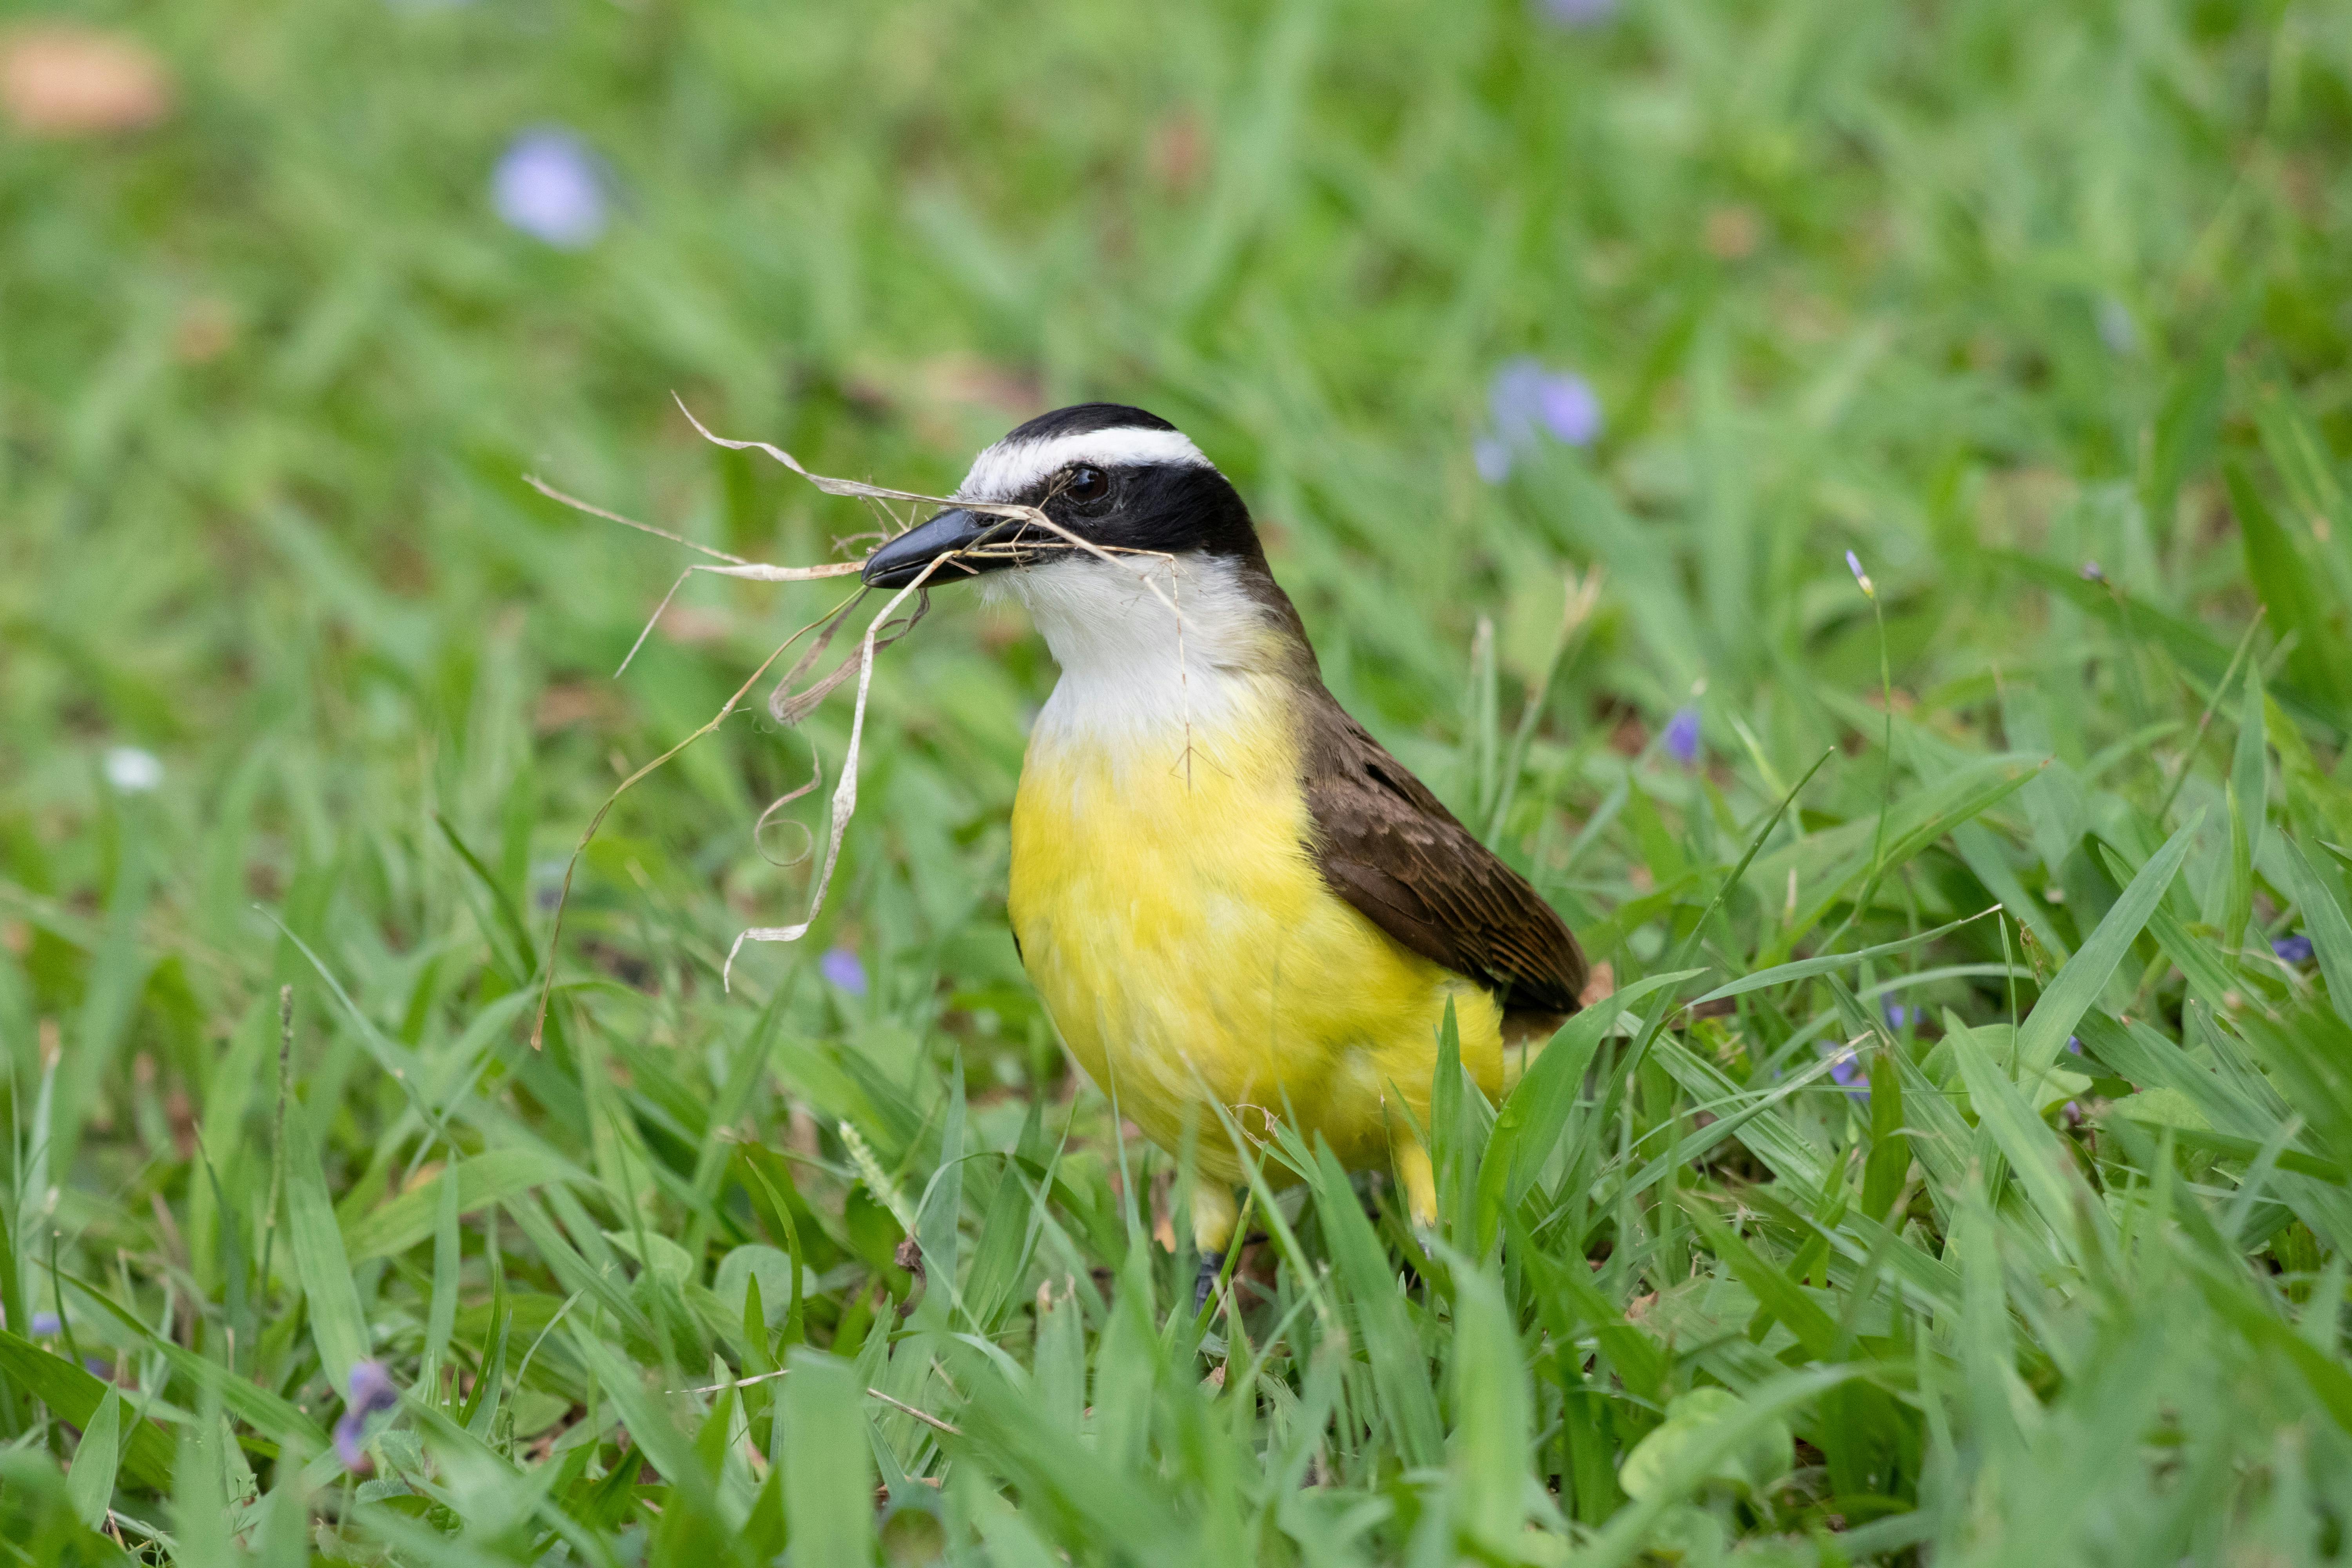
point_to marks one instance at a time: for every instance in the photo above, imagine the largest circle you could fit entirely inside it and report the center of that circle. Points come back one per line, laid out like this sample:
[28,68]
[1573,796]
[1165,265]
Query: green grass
[1981,290]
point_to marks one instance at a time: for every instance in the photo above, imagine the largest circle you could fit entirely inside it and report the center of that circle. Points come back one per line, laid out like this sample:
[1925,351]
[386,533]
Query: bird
[1222,887]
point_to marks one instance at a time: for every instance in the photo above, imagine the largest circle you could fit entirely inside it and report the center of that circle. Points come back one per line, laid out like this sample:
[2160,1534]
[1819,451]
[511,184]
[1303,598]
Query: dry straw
[790,701]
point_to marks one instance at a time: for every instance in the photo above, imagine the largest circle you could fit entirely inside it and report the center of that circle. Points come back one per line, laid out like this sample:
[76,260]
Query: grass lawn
[1994,1209]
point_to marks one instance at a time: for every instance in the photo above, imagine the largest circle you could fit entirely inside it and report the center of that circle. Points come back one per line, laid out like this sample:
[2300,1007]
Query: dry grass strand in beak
[789,705]
[859,488]
[563,899]
[737,566]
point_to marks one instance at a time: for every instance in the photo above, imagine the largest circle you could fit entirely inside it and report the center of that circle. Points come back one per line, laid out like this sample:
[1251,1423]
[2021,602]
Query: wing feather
[1390,847]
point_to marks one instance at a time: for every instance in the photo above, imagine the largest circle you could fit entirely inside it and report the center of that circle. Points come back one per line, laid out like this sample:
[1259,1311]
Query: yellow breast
[1172,915]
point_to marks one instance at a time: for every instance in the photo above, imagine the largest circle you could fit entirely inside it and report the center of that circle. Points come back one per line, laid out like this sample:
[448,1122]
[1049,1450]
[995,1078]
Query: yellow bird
[1223,887]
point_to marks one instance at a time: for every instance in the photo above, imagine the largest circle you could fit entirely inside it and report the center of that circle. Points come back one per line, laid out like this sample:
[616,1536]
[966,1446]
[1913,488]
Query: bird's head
[1123,480]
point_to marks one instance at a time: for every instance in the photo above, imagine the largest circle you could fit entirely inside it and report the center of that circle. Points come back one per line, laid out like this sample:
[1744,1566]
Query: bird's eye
[1087,485]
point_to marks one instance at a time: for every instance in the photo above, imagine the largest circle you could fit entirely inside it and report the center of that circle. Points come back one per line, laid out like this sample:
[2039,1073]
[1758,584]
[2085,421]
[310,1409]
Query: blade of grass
[828,1466]
[338,1327]
[1783,973]
[2077,984]
[74,1395]
[90,1482]
[441,1312]
[1532,1119]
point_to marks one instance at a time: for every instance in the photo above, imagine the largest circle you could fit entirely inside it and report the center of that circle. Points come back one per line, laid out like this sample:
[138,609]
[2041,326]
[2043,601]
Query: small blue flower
[547,883]
[1492,455]
[2294,949]
[2074,1045]
[1898,1014]
[1847,1072]
[1571,410]
[841,966]
[371,1387]
[1853,565]
[551,186]
[1527,400]
[1578,13]
[1528,403]
[45,1323]
[371,1391]
[1681,736]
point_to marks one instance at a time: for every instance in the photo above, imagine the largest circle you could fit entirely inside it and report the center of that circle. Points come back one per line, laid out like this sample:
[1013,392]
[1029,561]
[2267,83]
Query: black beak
[902,560]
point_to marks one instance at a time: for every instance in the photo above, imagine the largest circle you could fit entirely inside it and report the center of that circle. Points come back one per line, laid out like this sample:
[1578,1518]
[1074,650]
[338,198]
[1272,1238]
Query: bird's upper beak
[902,560]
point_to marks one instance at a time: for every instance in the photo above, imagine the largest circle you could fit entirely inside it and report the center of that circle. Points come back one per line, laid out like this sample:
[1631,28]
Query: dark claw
[1211,1263]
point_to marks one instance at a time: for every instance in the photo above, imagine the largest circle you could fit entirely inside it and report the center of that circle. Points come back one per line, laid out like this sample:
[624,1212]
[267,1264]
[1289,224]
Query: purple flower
[1526,400]
[1578,13]
[371,1388]
[101,1370]
[2074,1114]
[1898,1014]
[1512,398]
[547,883]
[1492,455]
[841,966]
[351,1428]
[1853,565]
[371,1391]
[1847,1072]
[1571,410]
[2294,949]
[552,187]
[1527,403]
[48,1323]
[1681,736]
[2074,1045]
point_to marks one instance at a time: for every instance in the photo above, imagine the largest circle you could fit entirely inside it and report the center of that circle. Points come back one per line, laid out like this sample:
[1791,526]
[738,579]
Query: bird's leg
[1419,1180]
[1214,1214]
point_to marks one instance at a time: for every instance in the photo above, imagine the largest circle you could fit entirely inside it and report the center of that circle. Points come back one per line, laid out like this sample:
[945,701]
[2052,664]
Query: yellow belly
[1175,924]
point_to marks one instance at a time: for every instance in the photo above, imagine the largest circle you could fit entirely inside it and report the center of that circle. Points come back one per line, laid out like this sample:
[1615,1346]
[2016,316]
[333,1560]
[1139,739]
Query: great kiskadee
[1222,886]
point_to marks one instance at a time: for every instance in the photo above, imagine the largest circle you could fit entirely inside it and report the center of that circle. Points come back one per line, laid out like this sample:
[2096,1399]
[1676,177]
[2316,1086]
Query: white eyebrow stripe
[1004,471]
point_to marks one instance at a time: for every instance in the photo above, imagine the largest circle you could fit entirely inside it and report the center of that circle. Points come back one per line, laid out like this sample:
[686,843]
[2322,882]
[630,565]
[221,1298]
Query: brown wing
[1391,848]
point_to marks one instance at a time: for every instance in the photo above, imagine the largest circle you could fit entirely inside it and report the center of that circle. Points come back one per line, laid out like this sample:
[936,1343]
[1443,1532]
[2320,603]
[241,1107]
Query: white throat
[1139,663]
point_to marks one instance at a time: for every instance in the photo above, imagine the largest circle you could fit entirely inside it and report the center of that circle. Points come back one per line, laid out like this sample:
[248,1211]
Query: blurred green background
[301,685]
